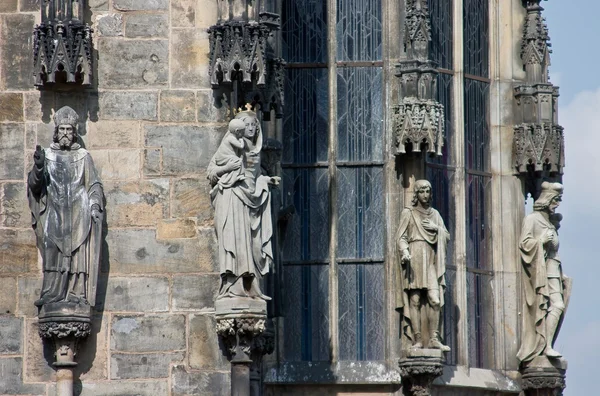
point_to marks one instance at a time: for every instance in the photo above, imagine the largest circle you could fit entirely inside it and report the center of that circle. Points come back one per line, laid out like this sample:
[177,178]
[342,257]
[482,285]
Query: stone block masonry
[151,123]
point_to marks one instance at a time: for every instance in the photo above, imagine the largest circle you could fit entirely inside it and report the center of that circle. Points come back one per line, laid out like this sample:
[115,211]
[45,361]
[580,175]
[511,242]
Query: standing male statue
[66,201]
[546,289]
[421,240]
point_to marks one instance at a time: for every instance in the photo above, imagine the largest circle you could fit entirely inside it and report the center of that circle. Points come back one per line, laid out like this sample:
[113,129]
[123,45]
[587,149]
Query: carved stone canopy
[62,44]
[539,147]
[243,58]
[417,123]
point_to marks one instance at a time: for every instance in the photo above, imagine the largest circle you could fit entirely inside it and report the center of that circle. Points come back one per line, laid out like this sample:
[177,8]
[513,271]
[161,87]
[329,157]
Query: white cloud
[580,236]
[555,77]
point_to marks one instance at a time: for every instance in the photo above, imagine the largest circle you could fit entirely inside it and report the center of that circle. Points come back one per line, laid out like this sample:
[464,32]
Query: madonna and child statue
[241,199]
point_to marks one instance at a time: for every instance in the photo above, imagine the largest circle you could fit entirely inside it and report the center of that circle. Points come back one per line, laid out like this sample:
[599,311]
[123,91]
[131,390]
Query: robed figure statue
[421,241]
[66,201]
[241,199]
[546,288]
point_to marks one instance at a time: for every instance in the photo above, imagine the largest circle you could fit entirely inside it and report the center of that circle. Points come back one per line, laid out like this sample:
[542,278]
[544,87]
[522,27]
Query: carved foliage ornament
[540,146]
[419,122]
[64,329]
[62,44]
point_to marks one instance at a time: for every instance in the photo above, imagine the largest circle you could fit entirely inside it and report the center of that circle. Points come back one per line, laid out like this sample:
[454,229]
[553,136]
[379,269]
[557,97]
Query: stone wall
[151,126]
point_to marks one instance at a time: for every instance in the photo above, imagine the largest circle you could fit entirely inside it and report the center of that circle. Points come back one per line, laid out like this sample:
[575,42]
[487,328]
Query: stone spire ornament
[62,44]
[538,145]
[418,121]
[67,205]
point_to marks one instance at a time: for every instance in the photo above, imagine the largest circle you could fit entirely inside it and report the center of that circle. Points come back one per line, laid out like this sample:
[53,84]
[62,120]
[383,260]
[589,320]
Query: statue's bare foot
[417,345]
[551,353]
[434,343]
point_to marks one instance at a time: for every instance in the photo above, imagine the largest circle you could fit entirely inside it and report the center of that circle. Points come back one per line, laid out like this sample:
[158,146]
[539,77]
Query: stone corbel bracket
[543,377]
[62,45]
[419,369]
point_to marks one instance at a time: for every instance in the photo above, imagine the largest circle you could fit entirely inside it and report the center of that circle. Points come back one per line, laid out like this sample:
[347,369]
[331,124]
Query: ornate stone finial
[417,29]
[62,44]
[538,144]
[418,121]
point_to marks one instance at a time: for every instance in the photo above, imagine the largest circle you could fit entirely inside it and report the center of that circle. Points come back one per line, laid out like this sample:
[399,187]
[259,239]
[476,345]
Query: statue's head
[251,121]
[422,193]
[65,127]
[237,128]
[550,197]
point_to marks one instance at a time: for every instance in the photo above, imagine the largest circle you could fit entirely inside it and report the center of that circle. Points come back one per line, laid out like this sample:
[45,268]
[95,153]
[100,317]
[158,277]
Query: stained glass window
[476,37]
[308,182]
[441,48]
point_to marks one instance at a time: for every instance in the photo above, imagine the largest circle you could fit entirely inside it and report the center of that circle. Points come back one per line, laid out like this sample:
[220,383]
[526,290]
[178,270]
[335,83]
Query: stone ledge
[464,377]
[345,373]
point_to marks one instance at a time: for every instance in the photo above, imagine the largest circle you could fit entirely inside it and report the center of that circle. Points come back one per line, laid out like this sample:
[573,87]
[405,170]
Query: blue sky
[574,31]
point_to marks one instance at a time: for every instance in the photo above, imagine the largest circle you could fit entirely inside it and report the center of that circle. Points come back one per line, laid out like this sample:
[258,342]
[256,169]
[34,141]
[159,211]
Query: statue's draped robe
[534,257]
[243,224]
[61,196]
[427,267]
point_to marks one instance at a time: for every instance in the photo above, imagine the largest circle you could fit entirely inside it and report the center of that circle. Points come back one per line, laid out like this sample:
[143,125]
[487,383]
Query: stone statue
[242,202]
[421,240]
[66,201]
[546,288]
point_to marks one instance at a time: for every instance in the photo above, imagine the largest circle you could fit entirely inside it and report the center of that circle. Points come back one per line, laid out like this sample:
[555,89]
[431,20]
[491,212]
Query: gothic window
[334,176]
[478,182]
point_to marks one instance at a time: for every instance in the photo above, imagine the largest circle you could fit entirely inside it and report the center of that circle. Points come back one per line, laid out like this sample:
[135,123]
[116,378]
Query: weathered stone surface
[189,58]
[183,12]
[141,5]
[185,148]
[113,134]
[11,380]
[141,203]
[116,105]
[8,295]
[119,388]
[11,334]
[207,107]
[8,6]
[16,65]
[14,211]
[147,365]
[33,102]
[147,333]
[12,107]
[133,63]
[117,164]
[177,106]
[11,149]
[109,25]
[92,358]
[18,252]
[191,198]
[147,25]
[176,229]
[199,383]
[152,162]
[29,291]
[195,292]
[30,5]
[208,15]
[98,5]
[137,294]
[205,350]
[138,251]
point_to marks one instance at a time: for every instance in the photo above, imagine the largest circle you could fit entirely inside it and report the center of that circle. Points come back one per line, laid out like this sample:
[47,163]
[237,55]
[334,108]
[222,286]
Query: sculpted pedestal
[66,325]
[544,376]
[419,368]
[241,324]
